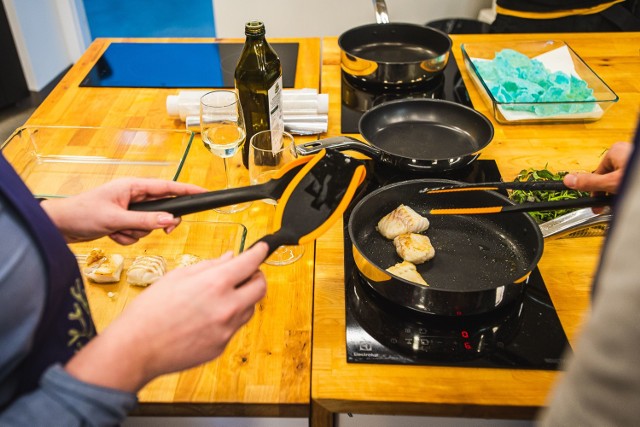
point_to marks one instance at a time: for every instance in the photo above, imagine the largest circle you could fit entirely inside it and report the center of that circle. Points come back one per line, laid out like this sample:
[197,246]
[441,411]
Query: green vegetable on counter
[531,174]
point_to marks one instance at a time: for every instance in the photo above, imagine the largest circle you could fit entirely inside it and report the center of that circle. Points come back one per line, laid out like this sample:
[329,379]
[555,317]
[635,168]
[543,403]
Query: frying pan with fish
[316,197]
[418,135]
[482,262]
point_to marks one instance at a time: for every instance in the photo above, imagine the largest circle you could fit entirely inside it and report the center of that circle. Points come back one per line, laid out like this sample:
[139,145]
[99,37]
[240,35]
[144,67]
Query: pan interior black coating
[473,253]
[394,43]
[393,52]
[426,129]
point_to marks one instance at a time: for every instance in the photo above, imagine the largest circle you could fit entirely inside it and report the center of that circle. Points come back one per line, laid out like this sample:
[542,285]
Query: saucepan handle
[340,143]
[380,7]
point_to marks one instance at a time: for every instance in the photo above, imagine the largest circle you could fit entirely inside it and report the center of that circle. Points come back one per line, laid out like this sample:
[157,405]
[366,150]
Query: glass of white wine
[223,132]
[270,151]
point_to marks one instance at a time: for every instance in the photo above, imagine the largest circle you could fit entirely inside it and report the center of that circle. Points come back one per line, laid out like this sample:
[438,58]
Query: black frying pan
[393,53]
[419,135]
[481,262]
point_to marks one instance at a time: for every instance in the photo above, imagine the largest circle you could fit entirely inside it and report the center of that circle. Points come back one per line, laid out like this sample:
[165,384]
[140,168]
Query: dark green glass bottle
[258,79]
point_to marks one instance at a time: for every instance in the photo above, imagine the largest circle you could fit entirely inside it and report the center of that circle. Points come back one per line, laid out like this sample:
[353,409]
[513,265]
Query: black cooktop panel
[179,65]
[526,334]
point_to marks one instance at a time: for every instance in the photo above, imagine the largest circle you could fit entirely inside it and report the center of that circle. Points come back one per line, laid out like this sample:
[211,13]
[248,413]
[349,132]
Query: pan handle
[381,11]
[573,222]
[340,143]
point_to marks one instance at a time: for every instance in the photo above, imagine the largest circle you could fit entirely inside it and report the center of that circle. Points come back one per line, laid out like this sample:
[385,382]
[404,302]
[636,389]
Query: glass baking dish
[555,55]
[204,239]
[59,161]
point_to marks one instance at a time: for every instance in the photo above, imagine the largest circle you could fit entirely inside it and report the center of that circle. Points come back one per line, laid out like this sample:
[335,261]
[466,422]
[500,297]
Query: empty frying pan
[393,53]
[420,135]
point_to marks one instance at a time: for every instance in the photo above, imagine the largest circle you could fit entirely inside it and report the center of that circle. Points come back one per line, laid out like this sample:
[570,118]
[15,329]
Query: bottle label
[276,119]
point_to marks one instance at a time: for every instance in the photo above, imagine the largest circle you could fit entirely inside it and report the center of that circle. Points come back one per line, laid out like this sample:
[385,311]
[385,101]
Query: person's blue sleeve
[69,402]
[61,399]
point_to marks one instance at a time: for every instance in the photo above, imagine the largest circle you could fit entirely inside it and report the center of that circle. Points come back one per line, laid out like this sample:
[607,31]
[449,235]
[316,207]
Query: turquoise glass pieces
[514,78]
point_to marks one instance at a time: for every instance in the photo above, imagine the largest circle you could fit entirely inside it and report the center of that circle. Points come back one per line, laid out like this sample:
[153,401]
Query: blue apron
[66,324]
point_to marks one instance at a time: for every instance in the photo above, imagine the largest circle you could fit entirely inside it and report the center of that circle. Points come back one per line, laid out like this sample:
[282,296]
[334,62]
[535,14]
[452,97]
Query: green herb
[521,196]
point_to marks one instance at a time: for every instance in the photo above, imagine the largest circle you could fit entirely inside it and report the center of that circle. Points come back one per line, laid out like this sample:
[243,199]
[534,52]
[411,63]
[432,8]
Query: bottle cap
[254,28]
[173,107]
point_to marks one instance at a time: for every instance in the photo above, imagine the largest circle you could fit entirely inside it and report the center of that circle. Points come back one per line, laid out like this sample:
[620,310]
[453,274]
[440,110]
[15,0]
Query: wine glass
[224,133]
[270,151]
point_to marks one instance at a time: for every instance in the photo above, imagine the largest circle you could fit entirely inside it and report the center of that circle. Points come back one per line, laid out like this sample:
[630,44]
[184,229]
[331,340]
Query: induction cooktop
[178,65]
[526,334]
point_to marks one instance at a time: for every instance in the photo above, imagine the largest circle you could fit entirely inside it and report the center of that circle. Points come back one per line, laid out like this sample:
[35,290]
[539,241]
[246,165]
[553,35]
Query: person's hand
[607,176]
[102,211]
[182,320]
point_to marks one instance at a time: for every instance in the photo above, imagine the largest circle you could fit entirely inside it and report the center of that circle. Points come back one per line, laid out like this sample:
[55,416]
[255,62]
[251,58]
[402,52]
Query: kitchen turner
[183,205]
[315,199]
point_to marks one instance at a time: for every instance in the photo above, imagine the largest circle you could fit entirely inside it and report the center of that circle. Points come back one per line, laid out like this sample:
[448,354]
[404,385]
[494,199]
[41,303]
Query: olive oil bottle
[258,79]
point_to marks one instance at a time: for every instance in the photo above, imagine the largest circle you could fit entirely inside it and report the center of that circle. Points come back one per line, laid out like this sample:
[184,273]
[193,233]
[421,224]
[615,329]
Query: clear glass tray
[59,161]
[556,56]
[204,239]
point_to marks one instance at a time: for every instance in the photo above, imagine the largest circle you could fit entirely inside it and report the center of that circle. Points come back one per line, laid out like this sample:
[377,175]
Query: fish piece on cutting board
[101,267]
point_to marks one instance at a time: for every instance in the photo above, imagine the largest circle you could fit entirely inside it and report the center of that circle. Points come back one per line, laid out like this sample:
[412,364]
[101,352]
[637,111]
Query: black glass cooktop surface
[526,334]
[179,65]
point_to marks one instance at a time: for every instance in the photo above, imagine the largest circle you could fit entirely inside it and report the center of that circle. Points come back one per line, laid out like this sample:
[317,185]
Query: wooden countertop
[268,367]
[265,370]
[567,265]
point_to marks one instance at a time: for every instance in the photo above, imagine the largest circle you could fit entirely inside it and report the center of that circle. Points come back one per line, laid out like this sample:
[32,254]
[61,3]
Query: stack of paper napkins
[305,111]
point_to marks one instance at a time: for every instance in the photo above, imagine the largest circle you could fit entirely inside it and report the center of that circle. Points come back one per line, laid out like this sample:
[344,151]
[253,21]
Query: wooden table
[265,370]
[567,265]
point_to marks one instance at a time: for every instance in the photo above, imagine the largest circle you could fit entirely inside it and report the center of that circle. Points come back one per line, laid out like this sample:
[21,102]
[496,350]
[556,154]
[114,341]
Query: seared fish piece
[402,220]
[146,269]
[415,248]
[407,271]
[101,267]
[185,260]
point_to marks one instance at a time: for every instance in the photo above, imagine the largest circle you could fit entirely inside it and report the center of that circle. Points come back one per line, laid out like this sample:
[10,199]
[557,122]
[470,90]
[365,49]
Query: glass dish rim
[180,163]
[472,68]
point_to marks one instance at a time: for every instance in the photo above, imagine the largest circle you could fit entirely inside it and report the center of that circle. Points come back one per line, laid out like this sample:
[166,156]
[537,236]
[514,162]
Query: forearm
[69,402]
[117,358]
[58,213]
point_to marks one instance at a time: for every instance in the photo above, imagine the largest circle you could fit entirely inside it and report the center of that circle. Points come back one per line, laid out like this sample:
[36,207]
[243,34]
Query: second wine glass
[223,132]
[270,151]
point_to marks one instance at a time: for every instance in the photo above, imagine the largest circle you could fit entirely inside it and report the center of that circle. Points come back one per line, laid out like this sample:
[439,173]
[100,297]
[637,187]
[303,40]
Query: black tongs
[580,202]
[183,205]
[495,186]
